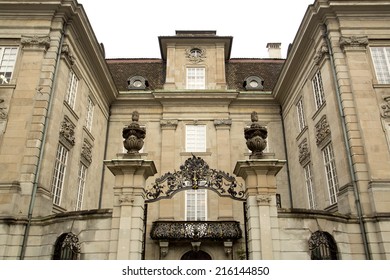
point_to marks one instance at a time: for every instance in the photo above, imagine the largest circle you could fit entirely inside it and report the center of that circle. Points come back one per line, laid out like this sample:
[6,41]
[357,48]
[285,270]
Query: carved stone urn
[134,135]
[256,137]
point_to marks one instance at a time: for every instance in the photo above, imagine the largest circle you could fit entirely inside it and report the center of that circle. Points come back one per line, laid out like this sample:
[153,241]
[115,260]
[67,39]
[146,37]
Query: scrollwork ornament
[3,112]
[385,108]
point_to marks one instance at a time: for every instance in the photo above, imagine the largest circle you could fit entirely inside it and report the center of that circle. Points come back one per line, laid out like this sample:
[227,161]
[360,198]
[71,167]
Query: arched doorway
[196,255]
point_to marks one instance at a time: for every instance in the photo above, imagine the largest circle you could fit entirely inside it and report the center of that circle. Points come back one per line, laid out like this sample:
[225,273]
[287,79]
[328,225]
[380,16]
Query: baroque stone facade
[193,188]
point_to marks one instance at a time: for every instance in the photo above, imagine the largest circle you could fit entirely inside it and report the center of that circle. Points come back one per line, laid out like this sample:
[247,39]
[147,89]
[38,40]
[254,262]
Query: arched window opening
[322,246]
[67,247]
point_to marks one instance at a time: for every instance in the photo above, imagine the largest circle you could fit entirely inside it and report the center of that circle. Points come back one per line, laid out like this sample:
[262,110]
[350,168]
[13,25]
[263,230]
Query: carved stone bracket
[353,43]
[321,53]
[36,42]
[67,131]
[304,152]
[169,124]
[125,199]
[222,123]
[385,107]
[263,199]
[322,130]
[68,54]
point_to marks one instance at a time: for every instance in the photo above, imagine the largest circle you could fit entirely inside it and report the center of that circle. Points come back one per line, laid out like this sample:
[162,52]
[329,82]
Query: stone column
[260,181]
[127,230]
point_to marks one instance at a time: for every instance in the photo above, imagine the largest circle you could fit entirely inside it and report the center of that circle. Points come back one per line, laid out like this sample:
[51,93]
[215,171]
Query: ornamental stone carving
[263,199]
[36,41]
[353,42]
[256,136]
[169,124]
[68,54]
[304,151]
[385,108]
[86,151]
[126,199]
[196,54]
[67,131]
[322,130]
[321,53]
[3,112]
[134,135]
[222,123]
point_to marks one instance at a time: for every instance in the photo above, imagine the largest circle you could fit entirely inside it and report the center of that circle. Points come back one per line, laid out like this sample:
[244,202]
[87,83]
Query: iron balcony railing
[195,230]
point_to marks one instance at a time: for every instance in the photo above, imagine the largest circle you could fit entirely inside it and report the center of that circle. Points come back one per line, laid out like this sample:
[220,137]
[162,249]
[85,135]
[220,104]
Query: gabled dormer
[195,60]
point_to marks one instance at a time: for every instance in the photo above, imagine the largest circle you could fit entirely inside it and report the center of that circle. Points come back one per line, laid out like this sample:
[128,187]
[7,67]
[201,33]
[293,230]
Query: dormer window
[254,83]
[137,83]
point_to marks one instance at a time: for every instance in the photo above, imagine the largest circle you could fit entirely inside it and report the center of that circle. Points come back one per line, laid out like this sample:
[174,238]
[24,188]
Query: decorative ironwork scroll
[193,174]
[196,230]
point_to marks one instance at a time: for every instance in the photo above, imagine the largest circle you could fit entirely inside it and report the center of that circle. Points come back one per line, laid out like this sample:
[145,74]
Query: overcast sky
[130,29]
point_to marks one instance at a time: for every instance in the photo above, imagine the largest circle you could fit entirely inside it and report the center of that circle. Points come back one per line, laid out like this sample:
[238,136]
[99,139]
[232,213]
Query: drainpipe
[105,156]
[349,155]
[41,148]
[285,151]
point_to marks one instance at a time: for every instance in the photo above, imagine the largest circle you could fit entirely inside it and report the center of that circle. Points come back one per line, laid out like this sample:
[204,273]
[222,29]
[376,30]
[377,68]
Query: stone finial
[133,135]
[256,136]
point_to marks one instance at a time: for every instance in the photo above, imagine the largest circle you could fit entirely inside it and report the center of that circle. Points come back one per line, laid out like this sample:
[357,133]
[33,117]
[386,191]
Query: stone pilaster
[260,181]
[129,201]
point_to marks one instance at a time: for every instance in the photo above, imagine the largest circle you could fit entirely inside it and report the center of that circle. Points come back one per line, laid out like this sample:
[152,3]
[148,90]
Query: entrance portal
[196,255]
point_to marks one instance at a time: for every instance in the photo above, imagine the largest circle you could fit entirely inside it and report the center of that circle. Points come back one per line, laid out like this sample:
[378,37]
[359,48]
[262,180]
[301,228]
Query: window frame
[196,80]
[59,173]
[90,111]
[196,142]
[381,63]
[71,91]
[10,68]
[330,173]
[301,115]
[199,210]
[81,182]
[318,90]
[309,186]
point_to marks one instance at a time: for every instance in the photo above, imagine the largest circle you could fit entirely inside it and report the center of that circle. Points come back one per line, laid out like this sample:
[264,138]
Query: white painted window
[309,186]
[7,63]
[381,60]
[81,186]
[59,174]
[195,138]
[89,118]
[301,115]
[196,206]
[319,95]
[196,78]
[331,174]
[72,89]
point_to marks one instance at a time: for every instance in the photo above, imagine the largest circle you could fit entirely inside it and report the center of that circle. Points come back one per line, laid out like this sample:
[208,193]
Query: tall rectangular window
[81,186]
[196,78]
[72,89]
[381,60]
[59,174]
[196,205]
[89,119]
[7,63]
[331,174]
[309,186]
[301,115]
[319,95]
[195,138]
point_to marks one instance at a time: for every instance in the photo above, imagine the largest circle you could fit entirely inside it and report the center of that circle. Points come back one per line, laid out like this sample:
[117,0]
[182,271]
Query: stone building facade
[193,179]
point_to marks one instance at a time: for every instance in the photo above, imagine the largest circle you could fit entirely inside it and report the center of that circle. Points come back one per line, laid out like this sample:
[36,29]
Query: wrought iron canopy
[196,230]
[194,174]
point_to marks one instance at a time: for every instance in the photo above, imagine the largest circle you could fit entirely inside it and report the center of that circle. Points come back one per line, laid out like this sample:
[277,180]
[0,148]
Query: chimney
[274,50]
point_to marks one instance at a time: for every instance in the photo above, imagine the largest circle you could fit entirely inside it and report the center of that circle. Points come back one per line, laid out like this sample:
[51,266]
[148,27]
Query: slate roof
[237,70]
